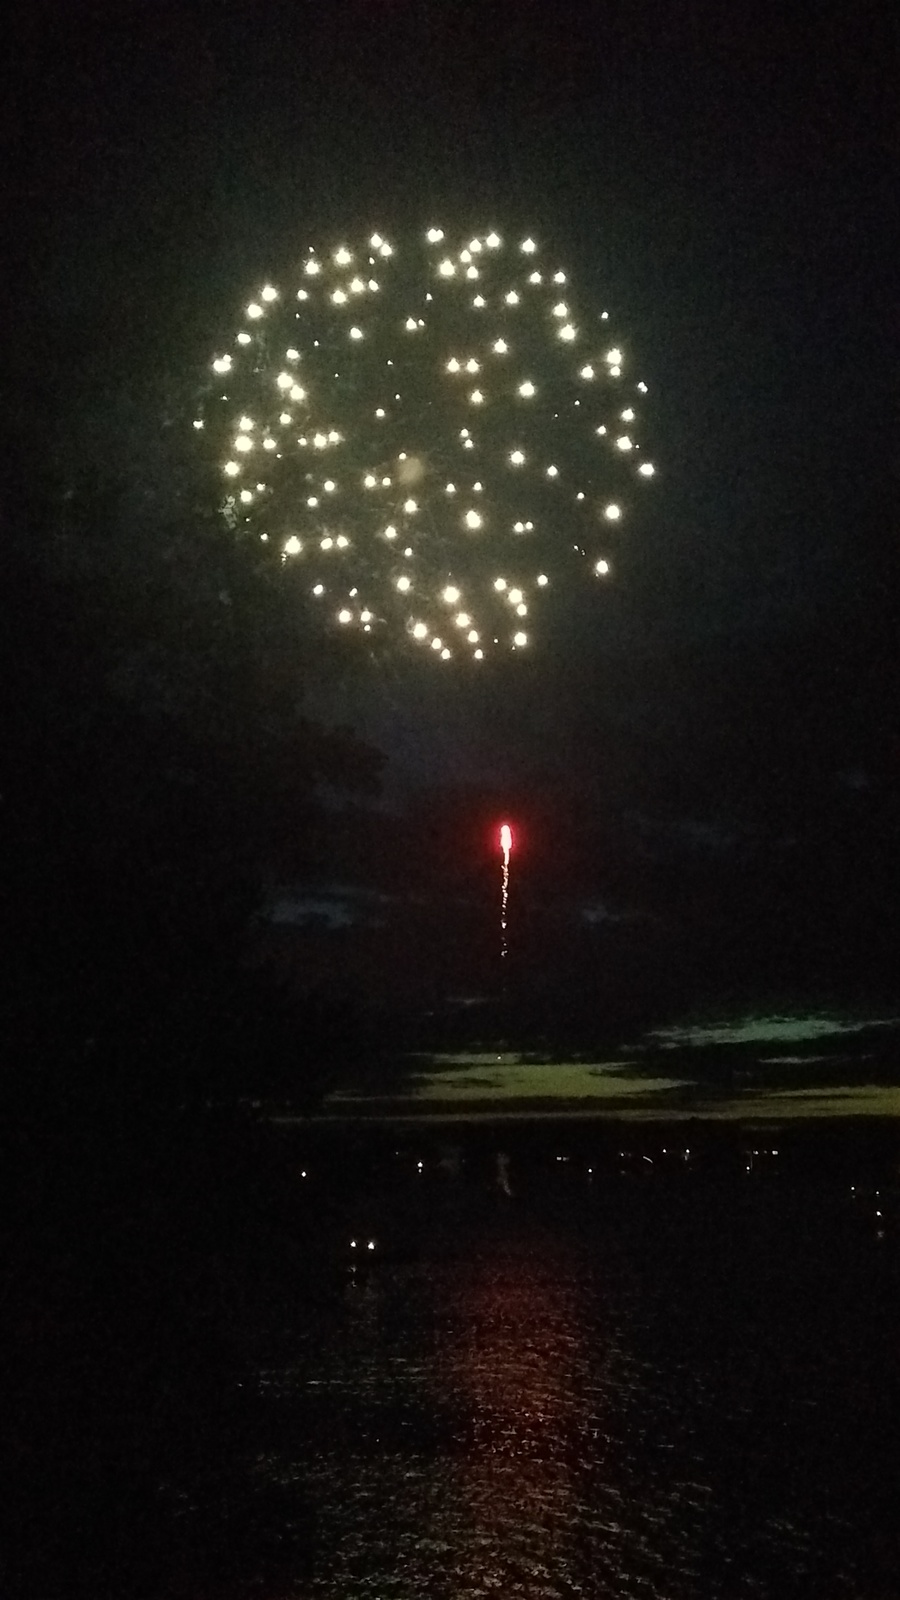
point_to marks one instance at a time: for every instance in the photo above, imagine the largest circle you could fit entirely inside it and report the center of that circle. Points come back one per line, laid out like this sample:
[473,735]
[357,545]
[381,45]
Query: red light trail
[506,842]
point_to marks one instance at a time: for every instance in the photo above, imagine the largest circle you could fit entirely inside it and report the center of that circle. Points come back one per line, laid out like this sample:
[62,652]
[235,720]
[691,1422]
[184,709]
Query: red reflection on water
[511,1356]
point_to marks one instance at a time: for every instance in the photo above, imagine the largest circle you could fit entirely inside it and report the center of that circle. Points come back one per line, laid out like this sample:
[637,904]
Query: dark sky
[726,182]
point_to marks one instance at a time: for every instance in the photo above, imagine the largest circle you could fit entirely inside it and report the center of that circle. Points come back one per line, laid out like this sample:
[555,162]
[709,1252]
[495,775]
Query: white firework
[435,433]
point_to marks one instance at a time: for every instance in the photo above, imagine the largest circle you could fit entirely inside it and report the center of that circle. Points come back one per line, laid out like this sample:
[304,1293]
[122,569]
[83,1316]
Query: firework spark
[432,433]
[506,841]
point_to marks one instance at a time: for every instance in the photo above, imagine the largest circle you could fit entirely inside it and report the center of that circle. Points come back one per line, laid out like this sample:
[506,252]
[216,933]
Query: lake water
[603,1383]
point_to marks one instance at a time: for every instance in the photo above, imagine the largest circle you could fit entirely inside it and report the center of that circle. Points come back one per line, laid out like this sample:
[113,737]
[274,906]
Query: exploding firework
[434,433]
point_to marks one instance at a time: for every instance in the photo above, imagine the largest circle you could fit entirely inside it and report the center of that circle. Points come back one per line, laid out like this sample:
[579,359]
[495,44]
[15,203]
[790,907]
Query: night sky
[726,184]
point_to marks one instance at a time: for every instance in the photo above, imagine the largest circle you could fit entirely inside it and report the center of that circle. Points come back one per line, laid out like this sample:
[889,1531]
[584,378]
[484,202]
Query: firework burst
[432,432]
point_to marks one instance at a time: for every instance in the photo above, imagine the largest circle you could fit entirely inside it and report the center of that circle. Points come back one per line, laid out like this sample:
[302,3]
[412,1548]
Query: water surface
[592,1387]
